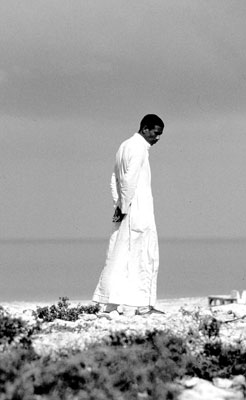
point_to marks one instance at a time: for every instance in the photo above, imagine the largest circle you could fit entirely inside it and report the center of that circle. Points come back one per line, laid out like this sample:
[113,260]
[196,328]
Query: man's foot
[109,314]
[151,311]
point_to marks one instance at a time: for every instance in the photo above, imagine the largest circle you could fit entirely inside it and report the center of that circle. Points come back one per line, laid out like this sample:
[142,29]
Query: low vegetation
[63,310]
[122,367]
[14,331]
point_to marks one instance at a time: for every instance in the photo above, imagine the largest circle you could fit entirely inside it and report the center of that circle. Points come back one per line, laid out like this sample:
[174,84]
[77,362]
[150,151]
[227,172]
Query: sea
[44,270]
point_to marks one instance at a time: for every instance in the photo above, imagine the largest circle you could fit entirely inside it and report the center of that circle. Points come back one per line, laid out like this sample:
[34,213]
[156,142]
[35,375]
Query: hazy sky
[76,77]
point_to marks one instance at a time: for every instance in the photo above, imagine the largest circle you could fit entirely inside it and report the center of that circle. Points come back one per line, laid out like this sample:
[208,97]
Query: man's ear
[145,129]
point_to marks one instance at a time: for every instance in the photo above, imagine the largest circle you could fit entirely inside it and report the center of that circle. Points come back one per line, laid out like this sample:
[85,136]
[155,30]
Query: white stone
[205,390]
[239,380]
[88,317]
[222,383]
[189,383]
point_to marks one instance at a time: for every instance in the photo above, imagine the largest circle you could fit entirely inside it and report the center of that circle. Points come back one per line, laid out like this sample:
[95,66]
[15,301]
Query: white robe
[130,273]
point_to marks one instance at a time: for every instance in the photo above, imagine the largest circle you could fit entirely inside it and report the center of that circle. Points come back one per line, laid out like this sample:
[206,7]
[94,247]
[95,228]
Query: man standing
[129,277]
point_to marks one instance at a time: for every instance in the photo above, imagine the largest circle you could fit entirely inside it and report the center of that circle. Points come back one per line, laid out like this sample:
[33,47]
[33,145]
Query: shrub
[210,327]
[103,371]
[15,330]
[219,360]
[63,311]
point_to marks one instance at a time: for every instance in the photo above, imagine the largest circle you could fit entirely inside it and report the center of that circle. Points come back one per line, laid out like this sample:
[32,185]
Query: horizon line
[99,238]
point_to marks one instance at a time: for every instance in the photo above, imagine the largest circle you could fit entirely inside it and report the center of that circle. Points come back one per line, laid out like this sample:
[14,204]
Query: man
[129,277]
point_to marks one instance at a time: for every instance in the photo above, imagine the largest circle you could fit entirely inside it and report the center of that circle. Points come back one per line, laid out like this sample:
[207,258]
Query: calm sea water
[45,270]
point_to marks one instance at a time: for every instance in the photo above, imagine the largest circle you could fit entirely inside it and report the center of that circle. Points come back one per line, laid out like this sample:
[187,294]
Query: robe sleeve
[114,191]
[129,181]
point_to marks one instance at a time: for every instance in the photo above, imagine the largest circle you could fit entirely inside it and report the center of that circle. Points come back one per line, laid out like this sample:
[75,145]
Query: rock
[104,315]
[239,381]
[88,317]
[222,383]
[143,395]
[239,310]
[64,323]
[190,383]
[204,390]
[28,311]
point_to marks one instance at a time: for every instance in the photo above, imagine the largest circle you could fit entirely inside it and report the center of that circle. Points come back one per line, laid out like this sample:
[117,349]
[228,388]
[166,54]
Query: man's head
[151,128]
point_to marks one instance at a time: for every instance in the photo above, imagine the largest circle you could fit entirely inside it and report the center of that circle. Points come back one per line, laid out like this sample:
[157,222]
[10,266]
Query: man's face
[152,135]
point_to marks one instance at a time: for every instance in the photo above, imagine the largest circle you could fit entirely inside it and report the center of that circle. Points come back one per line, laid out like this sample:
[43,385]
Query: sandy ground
[181,316]
[169,305]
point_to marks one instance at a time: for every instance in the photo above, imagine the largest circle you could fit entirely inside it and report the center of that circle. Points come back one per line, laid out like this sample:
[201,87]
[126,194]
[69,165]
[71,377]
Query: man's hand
[118,216]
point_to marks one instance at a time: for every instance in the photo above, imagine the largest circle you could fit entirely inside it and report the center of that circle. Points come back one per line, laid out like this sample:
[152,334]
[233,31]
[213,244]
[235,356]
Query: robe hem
[105,300]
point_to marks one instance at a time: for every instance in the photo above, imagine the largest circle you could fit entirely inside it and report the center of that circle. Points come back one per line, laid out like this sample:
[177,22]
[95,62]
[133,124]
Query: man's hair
[150,120]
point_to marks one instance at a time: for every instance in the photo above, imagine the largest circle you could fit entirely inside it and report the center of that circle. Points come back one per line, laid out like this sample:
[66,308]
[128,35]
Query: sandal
[152,310]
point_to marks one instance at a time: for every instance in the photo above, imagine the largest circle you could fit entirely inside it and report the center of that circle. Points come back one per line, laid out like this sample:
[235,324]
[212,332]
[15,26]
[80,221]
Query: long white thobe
[130,273]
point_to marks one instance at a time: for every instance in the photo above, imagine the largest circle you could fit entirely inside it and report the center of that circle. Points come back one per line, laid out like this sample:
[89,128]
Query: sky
[76,78]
